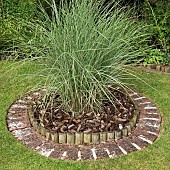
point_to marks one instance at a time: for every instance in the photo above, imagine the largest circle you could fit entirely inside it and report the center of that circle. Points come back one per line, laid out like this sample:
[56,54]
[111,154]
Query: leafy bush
[18,8]
[157,13]
[83,50]
[12,14]
[155,56]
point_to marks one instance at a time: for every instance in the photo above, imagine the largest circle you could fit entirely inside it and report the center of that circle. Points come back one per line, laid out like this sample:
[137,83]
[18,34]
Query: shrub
[155,56]
[157,13]
[12,14]
[83,49]
[18,8]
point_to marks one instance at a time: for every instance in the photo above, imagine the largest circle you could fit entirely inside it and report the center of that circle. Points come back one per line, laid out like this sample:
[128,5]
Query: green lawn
[15,156]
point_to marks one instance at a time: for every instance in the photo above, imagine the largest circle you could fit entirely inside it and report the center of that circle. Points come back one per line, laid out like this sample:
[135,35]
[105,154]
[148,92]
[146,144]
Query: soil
[109,119]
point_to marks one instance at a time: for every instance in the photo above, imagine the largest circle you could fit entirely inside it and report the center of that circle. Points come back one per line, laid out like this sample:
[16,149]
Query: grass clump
[83,48]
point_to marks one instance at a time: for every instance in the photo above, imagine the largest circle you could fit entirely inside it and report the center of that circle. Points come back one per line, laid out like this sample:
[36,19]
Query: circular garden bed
[86,136]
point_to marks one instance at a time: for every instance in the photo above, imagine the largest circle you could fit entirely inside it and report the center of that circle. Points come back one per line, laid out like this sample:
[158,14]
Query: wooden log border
[84,138]
[158,67]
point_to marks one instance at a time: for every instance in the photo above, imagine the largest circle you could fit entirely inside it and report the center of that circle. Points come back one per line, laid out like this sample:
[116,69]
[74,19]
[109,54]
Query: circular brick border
[146,132]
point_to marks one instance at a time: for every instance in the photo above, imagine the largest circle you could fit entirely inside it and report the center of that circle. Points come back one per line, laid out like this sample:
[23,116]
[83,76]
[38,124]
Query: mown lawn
[15,156]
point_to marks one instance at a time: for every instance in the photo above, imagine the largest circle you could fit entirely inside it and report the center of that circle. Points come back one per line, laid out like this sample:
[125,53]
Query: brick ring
[146,132]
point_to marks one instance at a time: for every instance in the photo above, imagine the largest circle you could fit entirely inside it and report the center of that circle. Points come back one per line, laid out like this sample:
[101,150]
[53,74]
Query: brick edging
[146,132]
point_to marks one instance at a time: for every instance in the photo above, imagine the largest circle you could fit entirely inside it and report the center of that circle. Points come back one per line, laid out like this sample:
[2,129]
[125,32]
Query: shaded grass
[15,156]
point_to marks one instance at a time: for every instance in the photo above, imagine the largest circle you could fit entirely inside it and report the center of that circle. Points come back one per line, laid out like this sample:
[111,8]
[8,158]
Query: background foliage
[154,12]
[157,13]
[12,14]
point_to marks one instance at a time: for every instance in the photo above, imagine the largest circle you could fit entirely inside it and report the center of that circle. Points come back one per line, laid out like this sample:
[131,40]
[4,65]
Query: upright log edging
[81,137]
